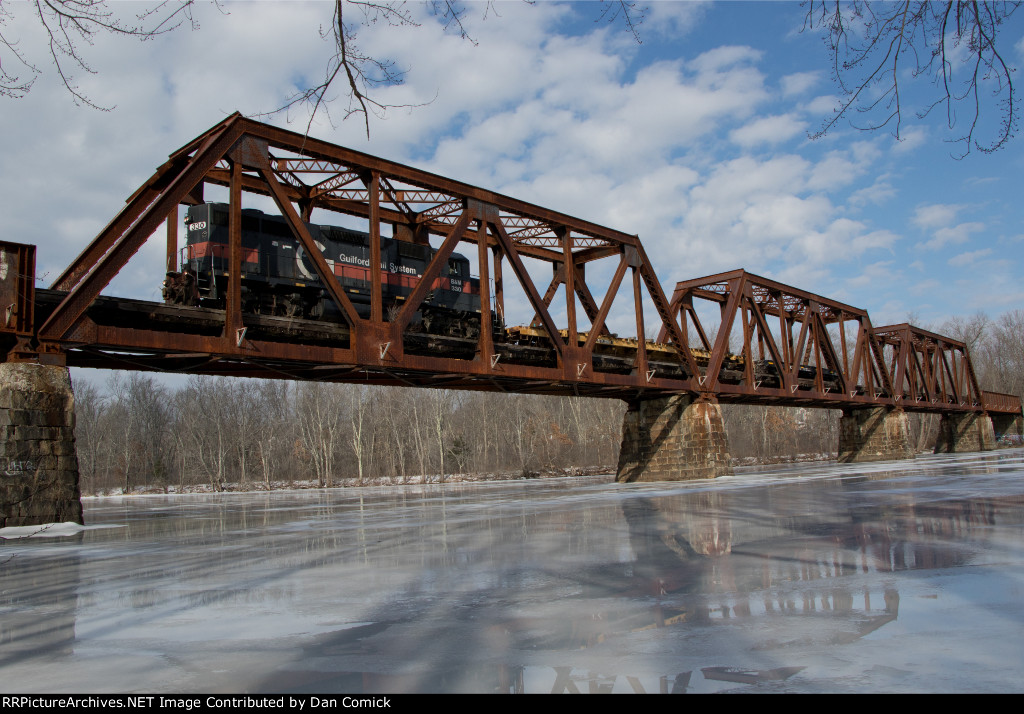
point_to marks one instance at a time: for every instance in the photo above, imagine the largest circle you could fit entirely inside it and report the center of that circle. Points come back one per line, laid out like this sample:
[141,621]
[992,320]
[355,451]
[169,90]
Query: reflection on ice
[814,577]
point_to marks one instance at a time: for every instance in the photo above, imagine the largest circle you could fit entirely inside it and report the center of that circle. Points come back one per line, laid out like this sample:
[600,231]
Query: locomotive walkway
[771,344]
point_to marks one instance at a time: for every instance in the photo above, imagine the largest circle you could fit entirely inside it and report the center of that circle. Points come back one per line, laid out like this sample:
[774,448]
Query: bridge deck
[162,330]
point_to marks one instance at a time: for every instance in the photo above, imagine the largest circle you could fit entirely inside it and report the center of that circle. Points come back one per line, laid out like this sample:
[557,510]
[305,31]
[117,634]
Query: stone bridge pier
[964,432]
[675,438]
[38,461]
[874,434]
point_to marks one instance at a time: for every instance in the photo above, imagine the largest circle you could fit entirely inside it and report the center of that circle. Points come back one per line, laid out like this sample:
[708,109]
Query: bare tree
[876,47]
[359,403]
[70,27]
[320,410]
[1004,354]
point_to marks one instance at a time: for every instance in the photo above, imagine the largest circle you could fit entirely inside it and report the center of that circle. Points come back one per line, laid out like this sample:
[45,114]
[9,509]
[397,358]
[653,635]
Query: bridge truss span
[776,344]
[506,238]
[765,342]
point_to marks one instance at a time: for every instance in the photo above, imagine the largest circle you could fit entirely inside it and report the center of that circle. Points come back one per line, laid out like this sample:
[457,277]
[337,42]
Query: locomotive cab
[279,278]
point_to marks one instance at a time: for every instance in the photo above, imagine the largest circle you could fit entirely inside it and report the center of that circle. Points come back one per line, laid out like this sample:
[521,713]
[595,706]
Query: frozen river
[810,578]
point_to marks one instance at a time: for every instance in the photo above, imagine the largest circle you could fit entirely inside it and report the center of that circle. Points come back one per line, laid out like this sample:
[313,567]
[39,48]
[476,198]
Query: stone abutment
[38,461]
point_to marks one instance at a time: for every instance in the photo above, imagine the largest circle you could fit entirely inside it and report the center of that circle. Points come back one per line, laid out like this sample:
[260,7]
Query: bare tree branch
[364,74]
[876,46]
[631,15]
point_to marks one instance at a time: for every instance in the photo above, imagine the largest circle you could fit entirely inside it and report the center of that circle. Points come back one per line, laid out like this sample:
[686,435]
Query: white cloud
[926,287]
[879,273]
[935,215]
[877,193]
[798,83]
[723,58]
[822,106]
[673,18]
[968,258]
[952,235]
[840,168]
[910,139]
[768,130]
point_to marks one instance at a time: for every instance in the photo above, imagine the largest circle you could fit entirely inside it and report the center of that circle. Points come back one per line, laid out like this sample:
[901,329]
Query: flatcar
[278,277]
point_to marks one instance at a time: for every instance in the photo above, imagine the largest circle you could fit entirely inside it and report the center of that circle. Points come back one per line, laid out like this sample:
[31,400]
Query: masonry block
[963,432]
[673,439]
[38,460]
[1010,426]
[874,434]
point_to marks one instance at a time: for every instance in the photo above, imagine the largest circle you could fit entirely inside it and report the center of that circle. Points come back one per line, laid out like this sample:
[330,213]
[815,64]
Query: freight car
[278,277]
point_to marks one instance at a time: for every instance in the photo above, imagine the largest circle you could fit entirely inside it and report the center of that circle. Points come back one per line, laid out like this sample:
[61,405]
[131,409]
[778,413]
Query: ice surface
[893,577]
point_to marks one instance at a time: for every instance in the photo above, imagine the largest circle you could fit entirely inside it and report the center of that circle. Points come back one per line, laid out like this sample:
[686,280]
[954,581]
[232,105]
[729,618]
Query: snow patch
[48,530]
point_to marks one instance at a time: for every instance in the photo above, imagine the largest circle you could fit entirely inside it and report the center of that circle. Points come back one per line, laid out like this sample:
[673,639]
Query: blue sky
[696,139]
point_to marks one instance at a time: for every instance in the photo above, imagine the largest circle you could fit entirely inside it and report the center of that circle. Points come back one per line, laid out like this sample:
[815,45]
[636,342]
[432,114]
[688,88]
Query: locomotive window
[454,268]
[218,217]
[411,250]
[344,236]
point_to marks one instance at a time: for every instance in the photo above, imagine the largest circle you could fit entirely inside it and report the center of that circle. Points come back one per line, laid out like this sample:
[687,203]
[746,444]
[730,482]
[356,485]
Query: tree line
[134,432]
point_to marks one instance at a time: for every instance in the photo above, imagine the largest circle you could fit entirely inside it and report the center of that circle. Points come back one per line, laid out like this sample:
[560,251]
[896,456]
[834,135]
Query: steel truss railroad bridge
[794,348]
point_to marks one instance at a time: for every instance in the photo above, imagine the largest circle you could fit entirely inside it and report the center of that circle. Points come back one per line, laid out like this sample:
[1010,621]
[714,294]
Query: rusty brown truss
[775,344]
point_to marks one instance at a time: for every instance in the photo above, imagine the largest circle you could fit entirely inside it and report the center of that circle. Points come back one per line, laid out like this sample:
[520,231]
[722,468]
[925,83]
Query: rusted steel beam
[432,271]
[486,341]
[360,209]
[509,250]
[233,304]
[1002,403]
[729,309]
[799,354]
[300,231]
[143,217]
[17,301]
[930,367]
[317,149]
[598,326]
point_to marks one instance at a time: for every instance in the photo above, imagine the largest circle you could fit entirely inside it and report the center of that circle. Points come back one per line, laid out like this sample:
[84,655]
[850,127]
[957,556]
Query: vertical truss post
[376,288]
[641,338]
[570,286]
[728,310]
[172,240]
[17,299]
[499,286]
[748,337]
[233,305]
[842,340]
[486,338]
